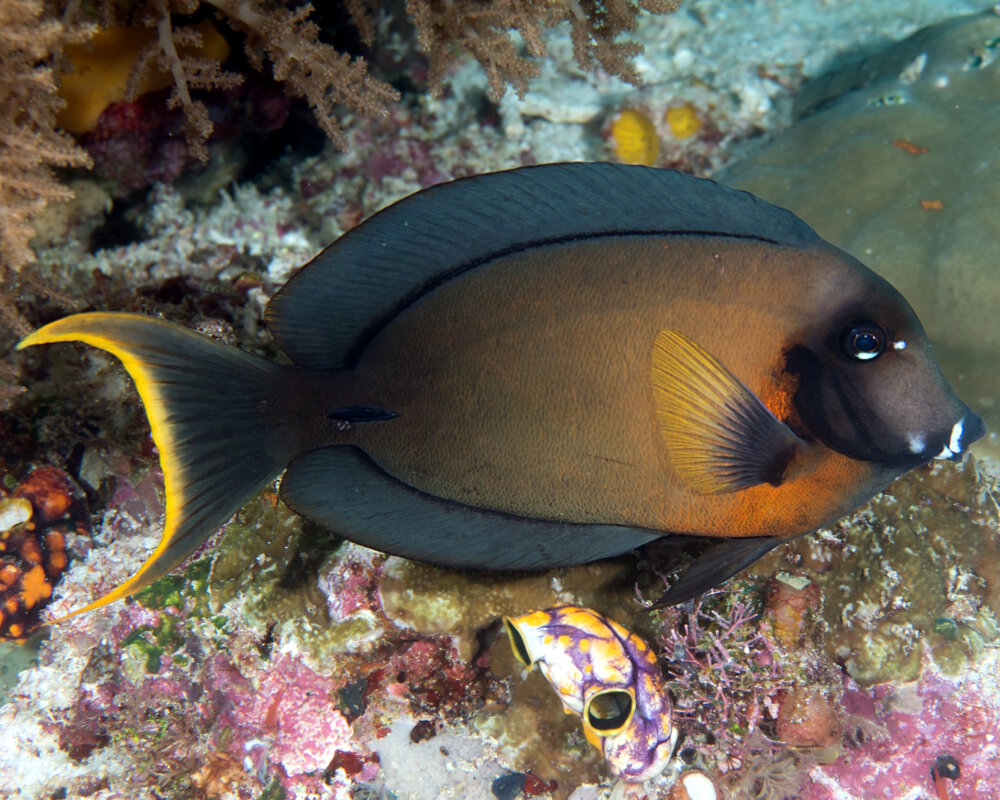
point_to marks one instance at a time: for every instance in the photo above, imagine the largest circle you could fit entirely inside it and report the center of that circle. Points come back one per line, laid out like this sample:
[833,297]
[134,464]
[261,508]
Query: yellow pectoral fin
[719,436]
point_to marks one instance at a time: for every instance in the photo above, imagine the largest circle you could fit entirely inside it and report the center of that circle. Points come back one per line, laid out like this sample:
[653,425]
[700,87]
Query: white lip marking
[900,345]
[954,446]
[955,443]
[916,442]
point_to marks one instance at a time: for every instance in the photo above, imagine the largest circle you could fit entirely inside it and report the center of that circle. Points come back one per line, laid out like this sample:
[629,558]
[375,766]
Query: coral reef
[433,600]
[282,662]
[181,55]
[827,657]
[935,717]
[912,577]
[484,29]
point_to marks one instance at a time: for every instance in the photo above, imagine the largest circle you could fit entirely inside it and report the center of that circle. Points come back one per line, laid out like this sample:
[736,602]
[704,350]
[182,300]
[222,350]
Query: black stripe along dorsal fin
[330,309]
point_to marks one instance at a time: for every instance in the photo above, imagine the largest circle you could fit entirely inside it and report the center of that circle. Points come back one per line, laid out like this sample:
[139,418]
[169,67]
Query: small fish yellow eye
[862,341]
[609,712]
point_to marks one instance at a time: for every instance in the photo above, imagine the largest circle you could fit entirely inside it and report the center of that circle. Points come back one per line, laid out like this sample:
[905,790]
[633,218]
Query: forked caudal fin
[211,418]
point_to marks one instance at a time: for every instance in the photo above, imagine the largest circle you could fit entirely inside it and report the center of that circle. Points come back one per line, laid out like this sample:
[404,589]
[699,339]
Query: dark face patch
[835,409]
[870,388]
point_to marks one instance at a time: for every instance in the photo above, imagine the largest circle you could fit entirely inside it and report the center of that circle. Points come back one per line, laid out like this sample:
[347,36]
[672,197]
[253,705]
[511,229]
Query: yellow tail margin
[204,403]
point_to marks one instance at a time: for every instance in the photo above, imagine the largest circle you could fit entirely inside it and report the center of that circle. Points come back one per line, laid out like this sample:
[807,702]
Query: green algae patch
[182,601]
[266,569]
[183,591]
[437,600]
[913,574]
[138,648]
[150,643]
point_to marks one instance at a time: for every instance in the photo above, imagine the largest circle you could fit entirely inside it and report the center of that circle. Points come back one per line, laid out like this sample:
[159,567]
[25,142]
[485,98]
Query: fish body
[547,366]
[607,676]
[540,406]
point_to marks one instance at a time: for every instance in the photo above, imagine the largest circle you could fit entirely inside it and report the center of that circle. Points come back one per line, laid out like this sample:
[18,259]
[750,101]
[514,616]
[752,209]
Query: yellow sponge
[101,69]
[683,121]
[634,138]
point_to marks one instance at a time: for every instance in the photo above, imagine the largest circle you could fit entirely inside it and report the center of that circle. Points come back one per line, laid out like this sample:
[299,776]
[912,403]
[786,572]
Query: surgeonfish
[607,676]
[545,367]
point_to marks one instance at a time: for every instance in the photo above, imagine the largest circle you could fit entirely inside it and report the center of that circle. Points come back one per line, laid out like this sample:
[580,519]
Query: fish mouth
[953,446]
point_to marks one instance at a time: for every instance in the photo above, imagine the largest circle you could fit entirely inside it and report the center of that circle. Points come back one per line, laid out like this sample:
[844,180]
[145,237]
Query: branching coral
[328,79]
[485,29]
[309,69]
[188,72]
[30,146]
[285,36]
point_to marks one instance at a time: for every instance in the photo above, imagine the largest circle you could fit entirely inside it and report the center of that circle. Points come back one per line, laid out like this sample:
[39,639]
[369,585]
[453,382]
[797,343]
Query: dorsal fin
[327,313]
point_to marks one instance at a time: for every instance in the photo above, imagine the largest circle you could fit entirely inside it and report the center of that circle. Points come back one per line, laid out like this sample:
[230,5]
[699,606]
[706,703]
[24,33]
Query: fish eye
[862,341]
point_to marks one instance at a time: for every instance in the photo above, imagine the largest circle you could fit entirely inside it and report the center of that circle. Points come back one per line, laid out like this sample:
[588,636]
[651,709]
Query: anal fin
[716,565]
[342,489]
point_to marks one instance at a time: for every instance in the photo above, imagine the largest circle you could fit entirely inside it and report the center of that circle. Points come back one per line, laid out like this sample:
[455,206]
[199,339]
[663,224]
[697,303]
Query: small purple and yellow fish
[609,677]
